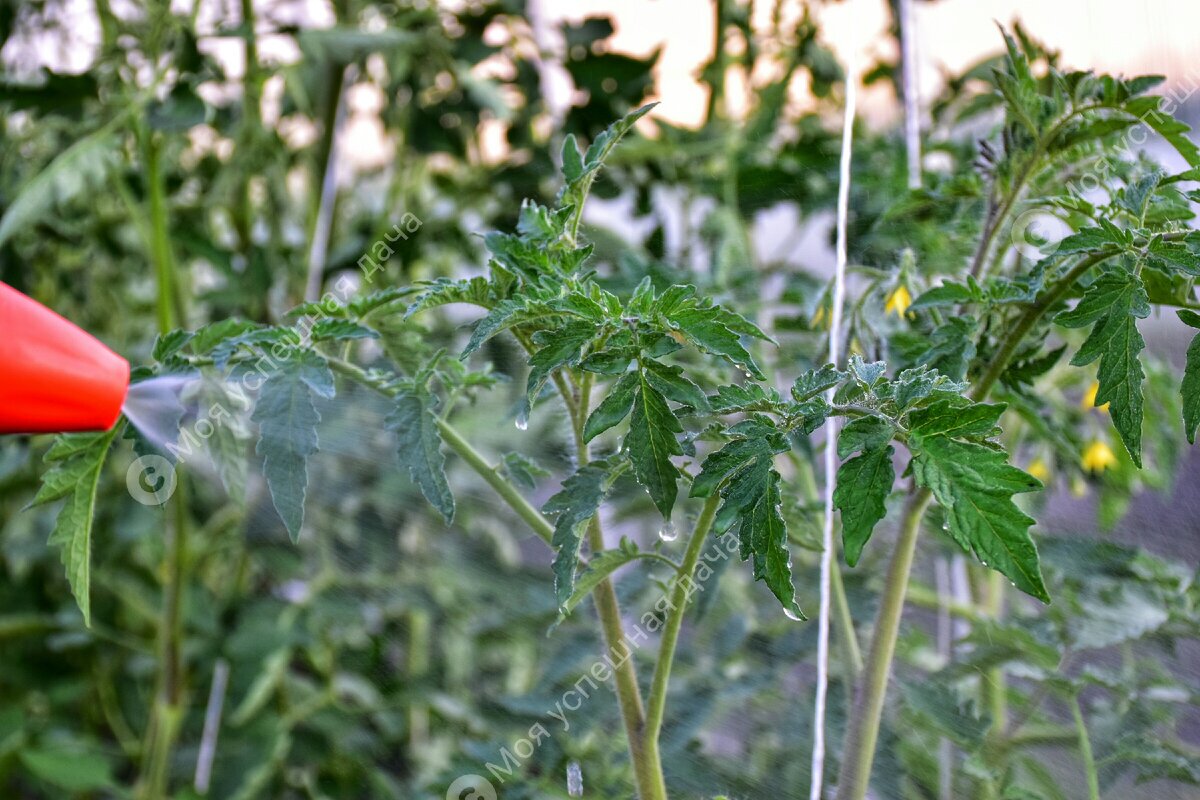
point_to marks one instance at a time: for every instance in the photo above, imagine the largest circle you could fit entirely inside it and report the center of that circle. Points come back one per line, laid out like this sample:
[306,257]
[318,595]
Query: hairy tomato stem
[680,592]
[858,753]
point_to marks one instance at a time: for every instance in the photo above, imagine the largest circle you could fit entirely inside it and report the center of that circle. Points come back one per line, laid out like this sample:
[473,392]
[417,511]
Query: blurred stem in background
[167,710]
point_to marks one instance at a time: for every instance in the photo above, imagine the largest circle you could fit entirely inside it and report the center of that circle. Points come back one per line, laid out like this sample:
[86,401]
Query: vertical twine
[831,426]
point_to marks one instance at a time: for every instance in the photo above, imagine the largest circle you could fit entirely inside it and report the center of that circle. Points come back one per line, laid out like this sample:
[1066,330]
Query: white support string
[831,427]
[912,93]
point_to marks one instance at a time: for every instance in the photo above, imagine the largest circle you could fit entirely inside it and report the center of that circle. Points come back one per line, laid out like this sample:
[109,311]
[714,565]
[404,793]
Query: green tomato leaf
[75,771]
[867,374]
[476,291]
[1171,129]
[524,470]
[814,381]
[752,505]
[82,167]
[705,329]
[956,420]
[745,398]
[864,433]
[913,386]
[561,347]
[77,460]
[743,471]
[651,441]
[599,567]
[670,380]
[504,316]
[1111,305]
[863,484]
[1172,257]
[603,144]
[581,173]
[414,420]
[947,713]
[287,422]
[948,294]
[575,504]
[1190,388]
[731,458]
[337,330]
[168,344]
[613,408]
[572,161]
[975,486]
[1088,240]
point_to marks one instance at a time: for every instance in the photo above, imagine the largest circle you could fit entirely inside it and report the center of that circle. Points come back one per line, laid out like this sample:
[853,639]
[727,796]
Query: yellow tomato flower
[1089,397]
[1039,469]
[898,301]
[1098,456]
[819,317]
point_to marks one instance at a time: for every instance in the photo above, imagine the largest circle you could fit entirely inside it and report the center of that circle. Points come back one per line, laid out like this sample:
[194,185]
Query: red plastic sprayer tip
[54,377]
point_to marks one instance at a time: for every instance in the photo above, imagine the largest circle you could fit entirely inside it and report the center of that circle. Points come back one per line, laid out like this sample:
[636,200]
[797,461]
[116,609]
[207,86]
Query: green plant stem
[1043,735]
[845,622]
[455,441]
[995,685]
[168,308]
[680,594]
[858,753]
[1026,321]
[251,124]
[1085,751]
[925,597]
[509,493]
[167,712]
[647,766]
[647,771]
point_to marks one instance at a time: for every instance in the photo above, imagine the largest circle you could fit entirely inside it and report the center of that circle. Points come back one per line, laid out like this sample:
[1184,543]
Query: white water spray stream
[154,406]
[831,426]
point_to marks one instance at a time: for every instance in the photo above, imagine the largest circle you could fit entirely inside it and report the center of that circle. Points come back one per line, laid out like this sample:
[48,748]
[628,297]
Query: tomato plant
[582,384]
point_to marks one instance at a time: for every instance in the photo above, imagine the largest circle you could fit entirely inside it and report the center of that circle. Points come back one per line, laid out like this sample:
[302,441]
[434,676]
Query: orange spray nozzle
[54,377]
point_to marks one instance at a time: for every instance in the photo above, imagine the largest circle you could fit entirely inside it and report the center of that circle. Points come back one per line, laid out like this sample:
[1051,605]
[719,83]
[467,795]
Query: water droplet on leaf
[792,615]
[668,531]
[522,421]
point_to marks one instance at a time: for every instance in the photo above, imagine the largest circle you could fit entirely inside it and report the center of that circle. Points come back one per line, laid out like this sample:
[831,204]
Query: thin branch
[680,592]
[1085,750]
